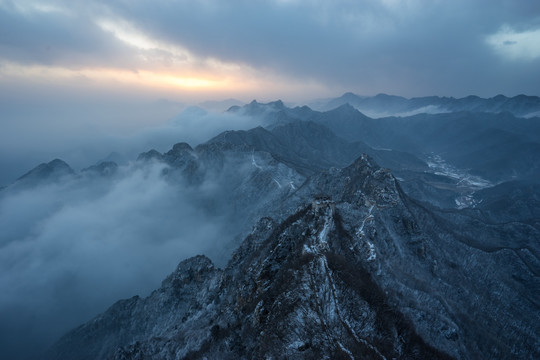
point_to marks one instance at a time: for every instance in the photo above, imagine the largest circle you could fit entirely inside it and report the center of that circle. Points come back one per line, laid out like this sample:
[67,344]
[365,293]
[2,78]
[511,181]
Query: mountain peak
[179,150]
[50,171]
[181,146]
[150,155]
[387,96]
[278,104]
[191,269]
[234,109]
[345,110]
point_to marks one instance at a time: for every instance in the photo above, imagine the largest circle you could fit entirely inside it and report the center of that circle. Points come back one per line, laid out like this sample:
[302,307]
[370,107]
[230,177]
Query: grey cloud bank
[70,248]
[405,47]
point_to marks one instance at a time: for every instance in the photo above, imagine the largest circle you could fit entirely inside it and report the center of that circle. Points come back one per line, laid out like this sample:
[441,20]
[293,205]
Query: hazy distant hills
[387,105]
[220,105]
[473,141]
[439,158]
[494,146]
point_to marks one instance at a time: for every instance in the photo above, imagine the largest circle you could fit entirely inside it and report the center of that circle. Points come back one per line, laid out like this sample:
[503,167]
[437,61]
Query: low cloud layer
[70,249]
[81,137]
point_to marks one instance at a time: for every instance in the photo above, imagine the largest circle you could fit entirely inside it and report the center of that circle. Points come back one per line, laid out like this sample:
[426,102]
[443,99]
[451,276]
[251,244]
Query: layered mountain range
[359,270]
[384,105]
[436,254]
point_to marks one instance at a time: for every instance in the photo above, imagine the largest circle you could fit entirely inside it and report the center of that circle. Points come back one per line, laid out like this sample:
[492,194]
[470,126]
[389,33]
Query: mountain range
[436,254]
[385,105]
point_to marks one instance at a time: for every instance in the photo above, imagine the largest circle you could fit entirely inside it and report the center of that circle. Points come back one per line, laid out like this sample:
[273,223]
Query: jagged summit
[179,147]
[277,104]
[150,155]
[234,109]
[349,96]
[257,108]
[194,268]
[180,154]
[274,113]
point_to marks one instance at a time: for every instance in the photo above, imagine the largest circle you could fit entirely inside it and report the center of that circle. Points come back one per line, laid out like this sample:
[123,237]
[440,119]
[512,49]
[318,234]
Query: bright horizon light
[516,45]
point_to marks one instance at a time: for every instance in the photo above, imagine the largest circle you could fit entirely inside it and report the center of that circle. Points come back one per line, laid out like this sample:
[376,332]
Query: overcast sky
[74,68]
[298,48]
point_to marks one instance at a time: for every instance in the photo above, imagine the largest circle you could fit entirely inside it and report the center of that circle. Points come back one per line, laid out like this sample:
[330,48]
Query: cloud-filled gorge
[70,249]
[71,246]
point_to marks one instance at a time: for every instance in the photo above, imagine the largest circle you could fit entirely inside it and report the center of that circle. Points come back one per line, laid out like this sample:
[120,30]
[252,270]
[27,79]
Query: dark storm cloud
[401,46]
[407,47]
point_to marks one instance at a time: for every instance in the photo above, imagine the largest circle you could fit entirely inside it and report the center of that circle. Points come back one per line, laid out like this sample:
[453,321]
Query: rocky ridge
[359,270]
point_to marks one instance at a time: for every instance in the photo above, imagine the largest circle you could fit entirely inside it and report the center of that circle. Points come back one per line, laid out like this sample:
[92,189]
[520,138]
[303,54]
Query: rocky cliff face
[358,271]
[178,303]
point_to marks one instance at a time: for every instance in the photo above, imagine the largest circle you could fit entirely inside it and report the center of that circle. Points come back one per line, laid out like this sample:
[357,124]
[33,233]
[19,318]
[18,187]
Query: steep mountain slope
[358,271]
[313,147]
[456,282]
[510,201]
[230,179]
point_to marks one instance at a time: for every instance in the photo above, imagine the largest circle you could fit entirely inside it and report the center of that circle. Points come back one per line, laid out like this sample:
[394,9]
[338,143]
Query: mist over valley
[73,242]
